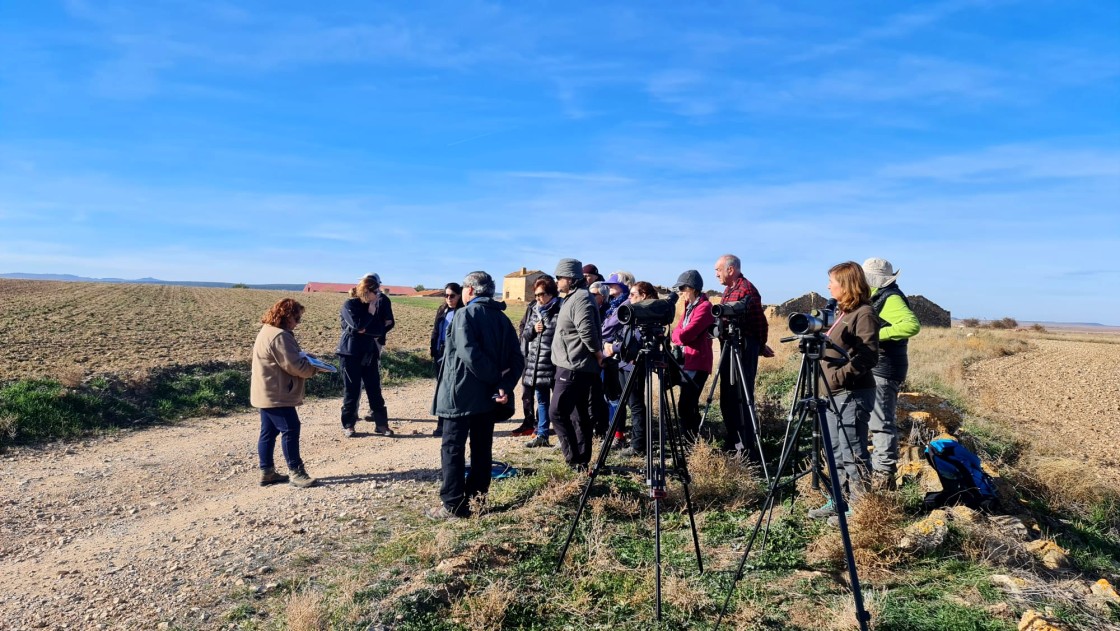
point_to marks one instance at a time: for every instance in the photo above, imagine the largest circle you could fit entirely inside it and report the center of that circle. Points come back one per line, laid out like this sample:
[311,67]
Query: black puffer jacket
[537,347]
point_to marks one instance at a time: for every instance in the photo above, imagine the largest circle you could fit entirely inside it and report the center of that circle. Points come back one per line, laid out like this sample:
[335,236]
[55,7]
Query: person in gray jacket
[482,362]
[577,353]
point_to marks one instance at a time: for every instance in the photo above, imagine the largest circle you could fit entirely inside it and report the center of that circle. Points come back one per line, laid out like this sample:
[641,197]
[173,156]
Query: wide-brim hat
[880,272]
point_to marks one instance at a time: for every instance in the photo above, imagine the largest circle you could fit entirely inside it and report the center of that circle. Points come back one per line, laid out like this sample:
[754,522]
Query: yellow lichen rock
[926,534]
[1052,555]
[1035,621]
[1105,591]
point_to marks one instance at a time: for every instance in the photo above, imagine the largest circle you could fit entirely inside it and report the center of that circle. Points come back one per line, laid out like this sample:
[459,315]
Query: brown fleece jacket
[858,334]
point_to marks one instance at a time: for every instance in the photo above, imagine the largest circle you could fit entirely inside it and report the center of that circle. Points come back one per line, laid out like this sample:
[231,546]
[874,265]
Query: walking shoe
[834,521]
[619,443]
[882,481]
[269,476]
[382,429]
[441,513]
[632,451]
[526,429]
[437,432]
[828,509]
[348,431]
[301,479]
[539,441]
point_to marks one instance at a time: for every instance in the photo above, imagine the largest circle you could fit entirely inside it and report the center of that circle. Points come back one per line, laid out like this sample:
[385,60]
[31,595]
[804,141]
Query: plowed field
[56,329]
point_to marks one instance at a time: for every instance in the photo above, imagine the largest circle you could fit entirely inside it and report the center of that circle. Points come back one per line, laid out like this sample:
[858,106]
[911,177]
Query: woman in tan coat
[280,372]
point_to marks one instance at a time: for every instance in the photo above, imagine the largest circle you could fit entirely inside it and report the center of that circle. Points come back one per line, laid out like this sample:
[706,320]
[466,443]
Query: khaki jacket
[858,334]
[279,373]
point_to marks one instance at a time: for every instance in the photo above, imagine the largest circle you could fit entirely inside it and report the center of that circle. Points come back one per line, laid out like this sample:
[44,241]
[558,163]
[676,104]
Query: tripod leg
[680,467]
[715,381]
[600,462]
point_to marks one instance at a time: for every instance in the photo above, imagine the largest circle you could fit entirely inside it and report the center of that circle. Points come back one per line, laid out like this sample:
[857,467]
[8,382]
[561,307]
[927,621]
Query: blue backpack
[963,479]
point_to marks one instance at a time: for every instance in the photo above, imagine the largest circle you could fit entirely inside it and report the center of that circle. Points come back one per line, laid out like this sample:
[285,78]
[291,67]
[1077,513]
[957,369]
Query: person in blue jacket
[366,318]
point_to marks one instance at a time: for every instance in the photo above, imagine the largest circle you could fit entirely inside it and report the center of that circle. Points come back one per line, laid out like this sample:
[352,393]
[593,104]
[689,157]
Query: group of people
[566,353]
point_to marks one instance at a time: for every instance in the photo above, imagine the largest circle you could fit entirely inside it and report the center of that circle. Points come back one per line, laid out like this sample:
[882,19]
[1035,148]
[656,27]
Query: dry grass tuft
[875,528]
[683,594]
[939,357]
[487,610]
[718,480]
[562,491]
[71,376]
[305,611]
[985,543]
[1066,484]
[433,549]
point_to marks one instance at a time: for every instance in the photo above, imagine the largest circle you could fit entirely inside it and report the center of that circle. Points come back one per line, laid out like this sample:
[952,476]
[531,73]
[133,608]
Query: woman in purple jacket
[691,333]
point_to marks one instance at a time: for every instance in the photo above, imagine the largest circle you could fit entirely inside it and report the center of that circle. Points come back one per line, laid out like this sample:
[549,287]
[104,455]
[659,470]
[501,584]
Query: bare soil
[1063,395]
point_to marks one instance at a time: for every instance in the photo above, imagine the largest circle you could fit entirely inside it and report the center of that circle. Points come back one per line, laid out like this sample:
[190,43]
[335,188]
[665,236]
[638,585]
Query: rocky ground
[158,527]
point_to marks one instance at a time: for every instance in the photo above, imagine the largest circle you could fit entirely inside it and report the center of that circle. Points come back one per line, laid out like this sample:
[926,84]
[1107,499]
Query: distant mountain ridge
[71,278]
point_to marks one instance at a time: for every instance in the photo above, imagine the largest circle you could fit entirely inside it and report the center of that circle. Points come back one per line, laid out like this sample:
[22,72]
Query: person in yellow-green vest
[897,325]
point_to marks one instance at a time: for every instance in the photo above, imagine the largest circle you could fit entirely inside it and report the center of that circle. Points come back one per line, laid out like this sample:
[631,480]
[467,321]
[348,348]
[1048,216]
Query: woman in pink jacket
[692,333]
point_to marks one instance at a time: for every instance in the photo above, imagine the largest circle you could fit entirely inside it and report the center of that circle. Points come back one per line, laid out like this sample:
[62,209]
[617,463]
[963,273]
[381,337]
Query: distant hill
[70,278]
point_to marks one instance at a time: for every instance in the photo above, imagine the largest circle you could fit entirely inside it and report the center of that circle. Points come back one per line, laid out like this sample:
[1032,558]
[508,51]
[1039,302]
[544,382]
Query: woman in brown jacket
[850,384]
[280,372]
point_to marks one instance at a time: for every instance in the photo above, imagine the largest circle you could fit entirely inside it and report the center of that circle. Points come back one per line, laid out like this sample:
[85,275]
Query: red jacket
[695,337]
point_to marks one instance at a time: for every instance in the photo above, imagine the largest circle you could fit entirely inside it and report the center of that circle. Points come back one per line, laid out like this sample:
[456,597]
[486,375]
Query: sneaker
[301,479]
[269,476]
[348,431]
[441,513]
[524,430]
[539,441]
[631,451]
[619,443]
[382,429]
[828,509]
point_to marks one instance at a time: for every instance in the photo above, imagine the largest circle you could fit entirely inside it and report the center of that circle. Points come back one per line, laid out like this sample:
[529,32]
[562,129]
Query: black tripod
[809,406]
[652,359]
[730,335]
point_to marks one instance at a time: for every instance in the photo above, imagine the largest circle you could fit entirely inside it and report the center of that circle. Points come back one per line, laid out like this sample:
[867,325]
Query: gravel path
[155,528]
[1063,395]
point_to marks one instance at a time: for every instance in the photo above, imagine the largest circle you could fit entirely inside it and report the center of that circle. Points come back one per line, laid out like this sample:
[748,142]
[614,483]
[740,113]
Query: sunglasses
[539,295]
[451,295]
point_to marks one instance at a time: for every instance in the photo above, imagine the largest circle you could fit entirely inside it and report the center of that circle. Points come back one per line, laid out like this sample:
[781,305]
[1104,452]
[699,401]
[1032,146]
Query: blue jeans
[882,426]
[544,395]
[285,423]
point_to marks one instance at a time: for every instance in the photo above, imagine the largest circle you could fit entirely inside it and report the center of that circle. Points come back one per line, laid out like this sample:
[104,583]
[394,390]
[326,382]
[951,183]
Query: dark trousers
[570,394]
[454,490]
[354,375]
[636,404]
[527,405]
[736,418]
[597,406]
[283,422]
[688,407]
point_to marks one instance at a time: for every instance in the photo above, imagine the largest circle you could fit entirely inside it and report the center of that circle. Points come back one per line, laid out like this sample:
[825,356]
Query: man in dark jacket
[481,365]
[577,352]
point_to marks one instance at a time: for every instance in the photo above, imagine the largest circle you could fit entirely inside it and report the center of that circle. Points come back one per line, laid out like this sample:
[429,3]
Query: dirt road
[161,525]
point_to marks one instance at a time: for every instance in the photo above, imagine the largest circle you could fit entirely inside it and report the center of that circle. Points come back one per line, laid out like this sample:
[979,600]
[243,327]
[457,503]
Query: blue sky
[974,144]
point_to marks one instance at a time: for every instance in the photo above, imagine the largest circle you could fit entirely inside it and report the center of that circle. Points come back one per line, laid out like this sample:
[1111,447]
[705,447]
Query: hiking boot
[834,521]
[269,476]
[632,451]
[828,509]
[348,431]
[301,479]
[539,441]
[382,429]
[882,481]
[441,513]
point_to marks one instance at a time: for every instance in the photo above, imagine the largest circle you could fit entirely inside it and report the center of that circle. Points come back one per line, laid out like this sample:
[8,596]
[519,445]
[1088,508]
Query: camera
[656,312]
[813,322]
[730,310]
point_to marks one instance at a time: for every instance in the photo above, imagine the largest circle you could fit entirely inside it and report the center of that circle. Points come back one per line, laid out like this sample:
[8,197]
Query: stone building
[929,313]
[519,285]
